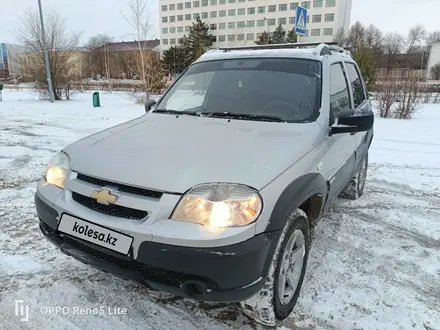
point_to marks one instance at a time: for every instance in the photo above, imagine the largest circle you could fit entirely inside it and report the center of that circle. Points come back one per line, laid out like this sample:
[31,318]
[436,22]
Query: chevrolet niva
[213,192]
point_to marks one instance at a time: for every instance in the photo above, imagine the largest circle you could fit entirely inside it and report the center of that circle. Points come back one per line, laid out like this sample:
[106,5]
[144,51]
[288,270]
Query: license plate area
[95,234]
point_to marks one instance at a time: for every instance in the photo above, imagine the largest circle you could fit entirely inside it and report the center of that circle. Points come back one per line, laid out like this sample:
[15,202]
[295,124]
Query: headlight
[57,169]
[219,205]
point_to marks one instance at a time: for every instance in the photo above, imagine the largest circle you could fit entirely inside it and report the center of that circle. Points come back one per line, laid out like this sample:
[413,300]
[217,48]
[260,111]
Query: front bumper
[227,274]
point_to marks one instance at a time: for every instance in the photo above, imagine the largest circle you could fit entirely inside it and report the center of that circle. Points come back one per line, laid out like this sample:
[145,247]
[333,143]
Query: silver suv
[212,193]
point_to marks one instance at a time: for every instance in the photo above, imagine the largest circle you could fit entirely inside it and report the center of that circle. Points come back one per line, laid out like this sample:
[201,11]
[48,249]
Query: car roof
[314,51]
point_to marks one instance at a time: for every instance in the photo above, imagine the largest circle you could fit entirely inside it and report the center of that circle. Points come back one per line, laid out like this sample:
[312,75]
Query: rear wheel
[276,300]
[355,188]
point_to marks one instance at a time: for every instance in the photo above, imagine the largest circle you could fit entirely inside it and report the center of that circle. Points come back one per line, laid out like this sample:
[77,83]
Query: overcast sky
[92,17]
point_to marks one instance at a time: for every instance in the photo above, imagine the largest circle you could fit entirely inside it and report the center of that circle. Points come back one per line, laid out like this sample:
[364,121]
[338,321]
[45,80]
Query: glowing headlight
[219,205]
[57,169]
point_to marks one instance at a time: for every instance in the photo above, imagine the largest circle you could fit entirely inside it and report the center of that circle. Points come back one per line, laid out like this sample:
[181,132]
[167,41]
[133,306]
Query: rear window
[287,88]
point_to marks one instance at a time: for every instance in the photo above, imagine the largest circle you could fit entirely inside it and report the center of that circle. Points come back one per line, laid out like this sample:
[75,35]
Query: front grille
[120,187]
[113,210]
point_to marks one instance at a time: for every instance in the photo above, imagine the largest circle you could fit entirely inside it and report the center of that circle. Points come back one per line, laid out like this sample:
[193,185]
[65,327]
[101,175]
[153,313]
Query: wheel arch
[307,192]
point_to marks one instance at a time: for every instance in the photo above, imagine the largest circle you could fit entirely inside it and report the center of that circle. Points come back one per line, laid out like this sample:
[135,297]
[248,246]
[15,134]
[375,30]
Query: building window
[222,26]
[308,19]
[196,4]
[173,41]
[213,26]
[205,15]
[231,37]
[164,8]
[231,1]
[328,32]
[261,22]
[250,36]
[240,37]
[213,2]
[271,21]
[231,25]
[250,23]
[259,35]
[179,7]
[292,20]
[172,19]
[231,12]
[164,30]
[316,18]
[305,4]
[251,11]
[213,14]
[241,0]
[272,8]
[316,32]
[222,2]
[172,30]
[187,17]
[294,5]
[221,38]
[187,28]
[180,40]
[172,7]
[282,21]
[329,17]
[196,15]
[164,19]
[282,7]
[241,24]
[179,18]
[241,11]
[261,10]
[330,3]
[222,13]
[204,3]
[164,41]
[187,4]
[317,3]
[180,29]
[214,39]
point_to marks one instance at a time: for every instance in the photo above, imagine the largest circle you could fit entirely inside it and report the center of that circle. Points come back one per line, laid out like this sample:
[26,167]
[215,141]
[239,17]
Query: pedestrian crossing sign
[301,21]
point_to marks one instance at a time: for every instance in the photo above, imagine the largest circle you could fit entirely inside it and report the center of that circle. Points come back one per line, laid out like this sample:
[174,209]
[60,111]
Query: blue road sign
[301,21]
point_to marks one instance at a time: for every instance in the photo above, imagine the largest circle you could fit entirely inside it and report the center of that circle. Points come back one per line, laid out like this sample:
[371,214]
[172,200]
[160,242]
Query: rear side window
[339,95]
[356,84]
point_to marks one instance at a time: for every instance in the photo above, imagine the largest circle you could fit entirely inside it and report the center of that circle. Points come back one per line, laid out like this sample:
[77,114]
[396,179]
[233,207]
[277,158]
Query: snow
[374,262]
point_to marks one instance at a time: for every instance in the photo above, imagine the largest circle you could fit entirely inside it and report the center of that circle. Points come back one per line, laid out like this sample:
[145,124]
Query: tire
[355,188]
[276,300]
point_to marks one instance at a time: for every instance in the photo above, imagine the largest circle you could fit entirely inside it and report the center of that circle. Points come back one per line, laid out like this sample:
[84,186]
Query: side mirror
[149,104]
[359,122]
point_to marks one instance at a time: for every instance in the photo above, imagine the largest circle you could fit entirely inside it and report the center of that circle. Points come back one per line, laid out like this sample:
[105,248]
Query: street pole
[46,54]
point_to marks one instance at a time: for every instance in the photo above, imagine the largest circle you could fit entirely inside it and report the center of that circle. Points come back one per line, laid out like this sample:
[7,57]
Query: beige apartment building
[241,22]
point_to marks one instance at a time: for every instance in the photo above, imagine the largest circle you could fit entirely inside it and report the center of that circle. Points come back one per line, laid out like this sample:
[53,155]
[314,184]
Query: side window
[356,84]
[339,94]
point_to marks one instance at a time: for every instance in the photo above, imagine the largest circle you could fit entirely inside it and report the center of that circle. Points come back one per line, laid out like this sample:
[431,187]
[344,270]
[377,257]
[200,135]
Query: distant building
[241,22]
[400,66]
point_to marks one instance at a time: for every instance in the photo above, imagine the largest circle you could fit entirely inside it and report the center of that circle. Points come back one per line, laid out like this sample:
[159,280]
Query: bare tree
[410,98]
[416,36]
[62,47]
[138,16]
[435,72]
[356,36]
[340,37]
[98,47]
[392,44]
[373,39]
[387,95]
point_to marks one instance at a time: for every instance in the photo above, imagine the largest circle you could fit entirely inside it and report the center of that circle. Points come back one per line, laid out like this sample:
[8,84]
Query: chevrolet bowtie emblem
[104,196]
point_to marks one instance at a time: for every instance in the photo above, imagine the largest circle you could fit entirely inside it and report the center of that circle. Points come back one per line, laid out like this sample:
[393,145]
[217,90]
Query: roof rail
[321,48]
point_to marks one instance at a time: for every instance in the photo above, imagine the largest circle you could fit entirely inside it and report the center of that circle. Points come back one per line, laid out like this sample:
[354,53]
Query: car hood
[173,153]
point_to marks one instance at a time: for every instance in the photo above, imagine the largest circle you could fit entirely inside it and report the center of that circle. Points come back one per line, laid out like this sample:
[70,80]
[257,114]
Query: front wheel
[276,300]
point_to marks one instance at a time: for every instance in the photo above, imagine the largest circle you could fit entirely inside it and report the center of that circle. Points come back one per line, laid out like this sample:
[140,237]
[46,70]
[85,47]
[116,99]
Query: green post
[1,92]
[96,102]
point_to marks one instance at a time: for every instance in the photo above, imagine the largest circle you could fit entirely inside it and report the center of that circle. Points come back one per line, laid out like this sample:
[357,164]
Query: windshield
[289,89]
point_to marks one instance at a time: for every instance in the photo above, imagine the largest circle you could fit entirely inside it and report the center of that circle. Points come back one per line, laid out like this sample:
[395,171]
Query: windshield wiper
[177,112]
[244,116]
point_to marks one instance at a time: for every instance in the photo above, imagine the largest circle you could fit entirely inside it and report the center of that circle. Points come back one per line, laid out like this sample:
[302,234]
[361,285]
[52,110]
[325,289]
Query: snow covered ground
[374,264]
